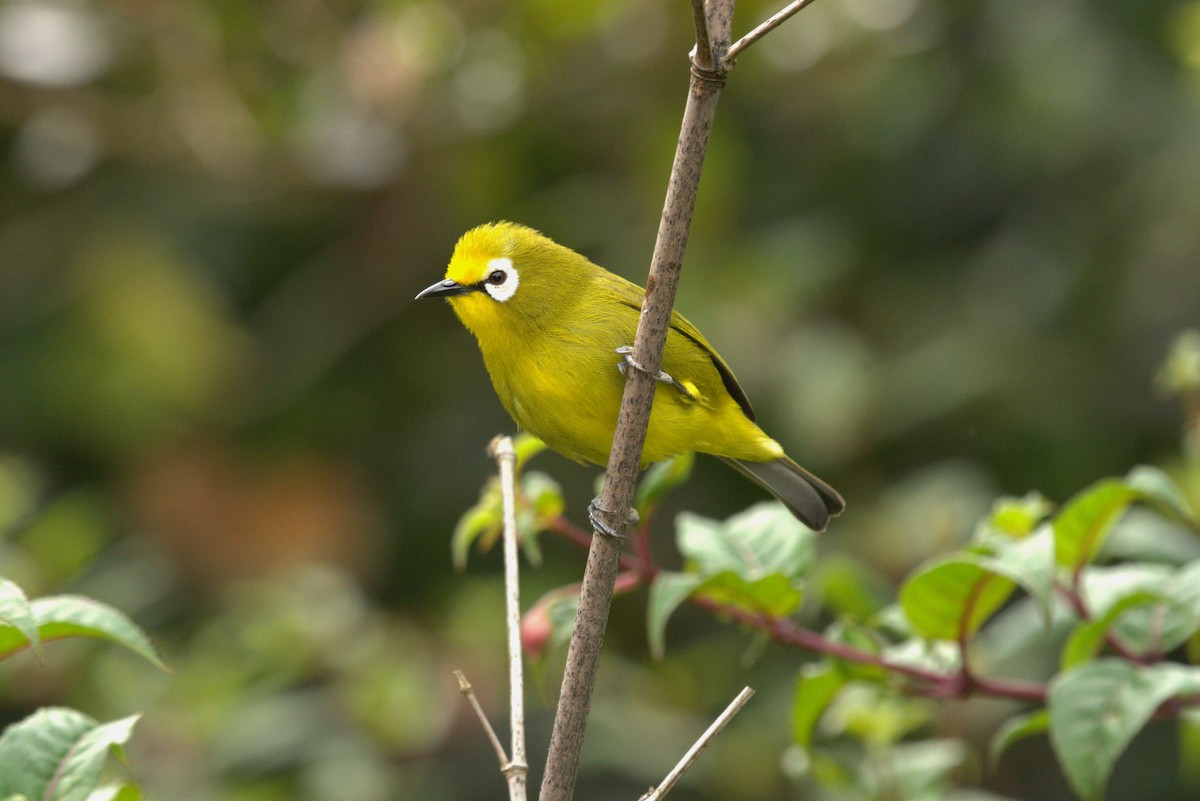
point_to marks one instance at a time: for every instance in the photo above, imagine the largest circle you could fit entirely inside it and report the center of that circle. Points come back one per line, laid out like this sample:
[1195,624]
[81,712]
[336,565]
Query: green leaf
[815,690]
[1180,372]
[762,540]
[1182,619]
[1164,622]
[861,638]
[1163,626]
[1189,745]
[62,616]
[1084,523]
[1097,708]
[667,592]
[1018,727]
[661,478]
[876,714]
[849,587]
[1088,637]
[117,792]
[1015,518]
[1105,586]
[526,446]
[918,769]
[58,754]
[539,501]
[562,619]
[1030,563]
[938,655]
[1148,536]
[953,596]
[16,618]
[774,595]
[1155,486]
[483,521]
[544,495]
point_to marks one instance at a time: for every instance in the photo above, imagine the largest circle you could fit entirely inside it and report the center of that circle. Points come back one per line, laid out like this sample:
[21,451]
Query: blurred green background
[944,245]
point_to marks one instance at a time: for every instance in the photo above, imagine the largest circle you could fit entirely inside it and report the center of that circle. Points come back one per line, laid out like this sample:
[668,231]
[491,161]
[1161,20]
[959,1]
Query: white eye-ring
[501,280]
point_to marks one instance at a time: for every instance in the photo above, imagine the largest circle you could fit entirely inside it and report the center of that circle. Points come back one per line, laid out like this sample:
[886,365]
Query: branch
[937,684]
[930,683]
[467,690]
[771,23]
[516,769]
[612,508]
[698,747]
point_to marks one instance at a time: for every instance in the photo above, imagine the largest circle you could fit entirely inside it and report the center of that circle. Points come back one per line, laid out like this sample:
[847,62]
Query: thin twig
[698,747]
[501,449]
[703,54]
[771,23]
[466,689]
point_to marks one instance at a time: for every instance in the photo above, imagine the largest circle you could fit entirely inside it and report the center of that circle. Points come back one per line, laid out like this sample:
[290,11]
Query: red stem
[786,631]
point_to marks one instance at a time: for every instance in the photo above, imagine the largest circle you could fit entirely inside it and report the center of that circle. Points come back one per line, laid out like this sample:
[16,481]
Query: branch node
[715,76]
[501,448]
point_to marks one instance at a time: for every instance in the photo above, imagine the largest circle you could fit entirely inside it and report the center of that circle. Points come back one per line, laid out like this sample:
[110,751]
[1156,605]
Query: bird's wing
[631,295]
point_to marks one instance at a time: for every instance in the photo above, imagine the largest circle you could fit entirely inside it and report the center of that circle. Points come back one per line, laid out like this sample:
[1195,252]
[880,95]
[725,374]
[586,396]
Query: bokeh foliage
[945,246]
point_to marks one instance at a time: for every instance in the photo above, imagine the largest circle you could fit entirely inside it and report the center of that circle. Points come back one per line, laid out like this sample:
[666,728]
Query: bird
[554,330]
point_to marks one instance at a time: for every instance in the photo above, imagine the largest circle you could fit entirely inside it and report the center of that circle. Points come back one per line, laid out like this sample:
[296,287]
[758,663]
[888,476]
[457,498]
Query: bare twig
[466,689]
[501,449]
[771,23]
[698,747]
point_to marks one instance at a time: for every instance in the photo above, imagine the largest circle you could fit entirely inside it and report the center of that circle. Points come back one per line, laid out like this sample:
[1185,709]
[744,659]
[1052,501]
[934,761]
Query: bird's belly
[578,419]
[572,405]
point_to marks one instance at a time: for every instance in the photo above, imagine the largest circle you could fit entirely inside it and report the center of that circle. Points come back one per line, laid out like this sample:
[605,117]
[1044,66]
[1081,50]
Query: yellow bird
[555,331]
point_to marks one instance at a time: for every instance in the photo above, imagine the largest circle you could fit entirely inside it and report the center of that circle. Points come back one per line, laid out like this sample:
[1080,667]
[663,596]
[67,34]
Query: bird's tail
[809,498]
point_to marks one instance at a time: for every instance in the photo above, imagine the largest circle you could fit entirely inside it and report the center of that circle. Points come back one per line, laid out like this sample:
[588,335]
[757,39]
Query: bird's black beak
[444,289]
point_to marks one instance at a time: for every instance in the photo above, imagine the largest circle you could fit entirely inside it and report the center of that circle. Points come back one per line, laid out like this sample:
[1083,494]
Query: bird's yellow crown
[477,247]
[519,278]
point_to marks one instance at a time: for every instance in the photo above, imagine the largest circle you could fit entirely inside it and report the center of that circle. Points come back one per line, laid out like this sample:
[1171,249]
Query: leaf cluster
[1126,631]
[59,753]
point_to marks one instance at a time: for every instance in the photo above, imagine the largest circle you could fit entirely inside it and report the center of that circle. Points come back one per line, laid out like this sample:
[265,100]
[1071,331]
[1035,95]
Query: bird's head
[507,275]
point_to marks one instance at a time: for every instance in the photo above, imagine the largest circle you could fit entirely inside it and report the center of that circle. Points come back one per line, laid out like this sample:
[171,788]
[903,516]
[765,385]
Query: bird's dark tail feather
[809,498]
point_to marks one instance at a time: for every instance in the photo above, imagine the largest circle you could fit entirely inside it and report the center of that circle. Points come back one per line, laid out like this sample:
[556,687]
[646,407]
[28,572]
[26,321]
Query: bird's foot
[627,361]
[596,514]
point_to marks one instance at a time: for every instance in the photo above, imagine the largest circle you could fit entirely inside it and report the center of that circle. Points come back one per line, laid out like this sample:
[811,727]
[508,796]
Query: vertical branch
[583,654]
[703,52]
[517,768]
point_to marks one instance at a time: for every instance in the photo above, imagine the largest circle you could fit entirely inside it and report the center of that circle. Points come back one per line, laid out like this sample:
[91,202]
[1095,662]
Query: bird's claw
[627,361]
[596,514]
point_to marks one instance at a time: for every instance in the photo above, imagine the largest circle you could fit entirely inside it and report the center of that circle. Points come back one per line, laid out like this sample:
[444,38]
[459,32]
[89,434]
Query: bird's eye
[501,282]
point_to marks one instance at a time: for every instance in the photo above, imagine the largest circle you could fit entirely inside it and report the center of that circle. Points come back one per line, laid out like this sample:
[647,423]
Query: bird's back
[560,381]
